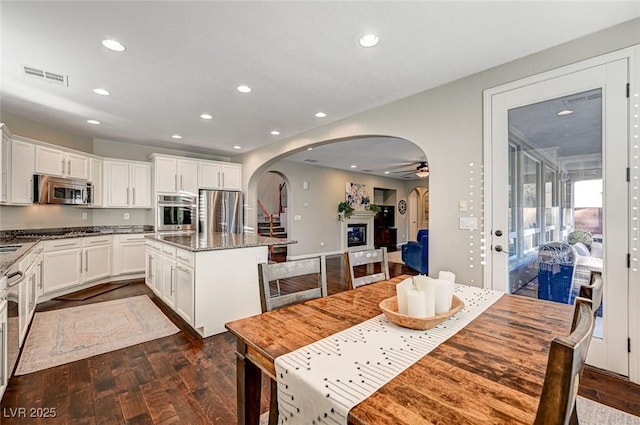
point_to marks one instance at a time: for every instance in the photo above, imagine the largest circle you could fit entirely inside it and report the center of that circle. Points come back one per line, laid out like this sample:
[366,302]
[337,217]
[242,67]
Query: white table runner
[320,383]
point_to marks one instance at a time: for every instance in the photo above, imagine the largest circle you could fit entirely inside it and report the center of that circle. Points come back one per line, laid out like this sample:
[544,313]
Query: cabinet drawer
[132,238]
[169,250]
[97,240]
[185,257]
[60,244]
[154,244]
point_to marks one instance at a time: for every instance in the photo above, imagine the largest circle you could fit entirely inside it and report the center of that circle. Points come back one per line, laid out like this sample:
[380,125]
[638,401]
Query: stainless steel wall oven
[177,213]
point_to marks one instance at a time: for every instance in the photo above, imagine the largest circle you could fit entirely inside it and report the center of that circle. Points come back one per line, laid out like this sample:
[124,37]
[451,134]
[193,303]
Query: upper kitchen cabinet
[56,162]
[22,169]
[5,161]
[127,184]
[175,174]
[95,176]
[219,175]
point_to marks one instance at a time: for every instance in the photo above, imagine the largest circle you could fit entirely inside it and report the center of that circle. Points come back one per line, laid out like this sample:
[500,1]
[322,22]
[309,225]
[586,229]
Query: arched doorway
[418,210]
[272,218]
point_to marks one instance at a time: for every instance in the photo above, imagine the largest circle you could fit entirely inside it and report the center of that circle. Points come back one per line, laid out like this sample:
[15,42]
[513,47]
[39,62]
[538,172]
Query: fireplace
[356,234]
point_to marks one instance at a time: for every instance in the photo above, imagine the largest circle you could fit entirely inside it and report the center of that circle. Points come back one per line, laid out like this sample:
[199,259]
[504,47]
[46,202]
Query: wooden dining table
[490,372]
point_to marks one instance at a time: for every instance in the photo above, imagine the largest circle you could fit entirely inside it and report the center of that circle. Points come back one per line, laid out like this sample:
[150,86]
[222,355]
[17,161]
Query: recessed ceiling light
[101,92]
[244,89]
[387,172]
[565,112]
[353,166]
[368,40]
[176,136]
[320,115]
[309,149]
[206,116]
[116,46]
[237,147]
[275,132]
[94,122]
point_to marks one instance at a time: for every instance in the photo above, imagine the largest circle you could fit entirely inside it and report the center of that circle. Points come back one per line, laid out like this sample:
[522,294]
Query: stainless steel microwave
[58,190]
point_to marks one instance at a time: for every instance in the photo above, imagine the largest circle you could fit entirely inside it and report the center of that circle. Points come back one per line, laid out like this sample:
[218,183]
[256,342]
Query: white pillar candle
[401,293]
[444,295]
[426,284]
[447,275]
[416,305]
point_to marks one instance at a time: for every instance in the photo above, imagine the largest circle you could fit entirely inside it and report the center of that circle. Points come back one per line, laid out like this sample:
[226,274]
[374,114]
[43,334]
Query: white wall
[446,122]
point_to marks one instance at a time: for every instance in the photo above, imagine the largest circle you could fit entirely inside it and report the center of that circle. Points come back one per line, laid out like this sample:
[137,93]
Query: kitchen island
[208,279]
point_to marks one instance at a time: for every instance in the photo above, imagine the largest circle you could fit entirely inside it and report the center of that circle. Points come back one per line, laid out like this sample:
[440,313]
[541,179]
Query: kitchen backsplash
[47,216]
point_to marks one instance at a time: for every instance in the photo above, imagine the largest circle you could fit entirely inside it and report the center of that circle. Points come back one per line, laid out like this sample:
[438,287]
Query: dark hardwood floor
[182,379]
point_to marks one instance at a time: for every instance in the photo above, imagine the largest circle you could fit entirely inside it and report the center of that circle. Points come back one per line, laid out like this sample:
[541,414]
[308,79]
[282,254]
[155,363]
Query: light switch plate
[462,206]
[297,217]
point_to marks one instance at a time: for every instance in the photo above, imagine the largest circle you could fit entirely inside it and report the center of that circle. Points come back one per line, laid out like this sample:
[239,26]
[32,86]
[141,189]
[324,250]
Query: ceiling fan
[421,170]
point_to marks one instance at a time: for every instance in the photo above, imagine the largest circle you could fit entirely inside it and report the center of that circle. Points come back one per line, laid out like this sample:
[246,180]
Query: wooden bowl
[389,307]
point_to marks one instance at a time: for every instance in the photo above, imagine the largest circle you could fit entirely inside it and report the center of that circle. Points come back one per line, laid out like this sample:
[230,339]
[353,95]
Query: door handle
[127,196]
[80,254]
[86,261]
[181,185]
[69,167]
[134,196]
[62,167]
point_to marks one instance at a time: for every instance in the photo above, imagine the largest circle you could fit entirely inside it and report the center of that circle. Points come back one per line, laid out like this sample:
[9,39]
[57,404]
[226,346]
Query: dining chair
[567,357]
[275,272]
[592,292]
[270,272]
[366,258]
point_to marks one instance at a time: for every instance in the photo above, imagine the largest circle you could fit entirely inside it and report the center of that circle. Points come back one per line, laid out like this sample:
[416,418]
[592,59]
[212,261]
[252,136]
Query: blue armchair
[416,254]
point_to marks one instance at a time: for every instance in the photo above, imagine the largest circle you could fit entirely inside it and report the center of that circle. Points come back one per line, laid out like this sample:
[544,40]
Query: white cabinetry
[174,174]
[62,264]
[129,254]
[22,170]
[56,162]
[184,285]
[5,161]
[153,274]
[97,258]
[128,184]
[96,173]
[219,175]
[168,293]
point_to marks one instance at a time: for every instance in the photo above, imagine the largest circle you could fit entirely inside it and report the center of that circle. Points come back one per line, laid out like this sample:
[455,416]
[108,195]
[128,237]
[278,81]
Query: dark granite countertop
[219,241]
[26,239]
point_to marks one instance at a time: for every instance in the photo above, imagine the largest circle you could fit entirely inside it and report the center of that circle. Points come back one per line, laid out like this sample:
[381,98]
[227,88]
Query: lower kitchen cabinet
[184,292]
[97,258]
[3,347]
[62,266]
[168,294]
[129,254]
[153,275]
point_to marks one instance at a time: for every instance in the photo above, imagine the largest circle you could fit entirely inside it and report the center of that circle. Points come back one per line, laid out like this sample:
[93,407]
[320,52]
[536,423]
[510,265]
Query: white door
[188,175]
[558,165]
[50,161]
[140,186]
[184,282]
[77,166]
[117,183]
[97,262]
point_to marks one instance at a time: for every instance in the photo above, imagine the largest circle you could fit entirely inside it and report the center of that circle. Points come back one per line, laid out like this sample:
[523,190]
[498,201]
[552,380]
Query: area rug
[395,257]
[63,336]
[592,413]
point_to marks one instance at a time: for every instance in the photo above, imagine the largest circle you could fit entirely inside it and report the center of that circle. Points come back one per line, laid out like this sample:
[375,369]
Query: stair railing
[267,214]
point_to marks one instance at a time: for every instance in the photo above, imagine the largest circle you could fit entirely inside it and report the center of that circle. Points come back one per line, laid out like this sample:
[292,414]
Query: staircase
[273,228]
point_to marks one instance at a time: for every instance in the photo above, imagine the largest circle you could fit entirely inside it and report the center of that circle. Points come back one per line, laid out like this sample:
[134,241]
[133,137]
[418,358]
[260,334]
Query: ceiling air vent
[46,76]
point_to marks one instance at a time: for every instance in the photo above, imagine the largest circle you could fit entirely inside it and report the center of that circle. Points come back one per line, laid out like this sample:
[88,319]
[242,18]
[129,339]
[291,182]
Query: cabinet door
[5,160]
[97,262]
[132,258]
[3,347]
[166,174]
[62,269]
[184,292]
[24,302]
[77,166]
[117,183]
[208,175]
[188,176]
[231,177]
[95,166]
[50,161]
[22,169]
[141,186]
[168,282]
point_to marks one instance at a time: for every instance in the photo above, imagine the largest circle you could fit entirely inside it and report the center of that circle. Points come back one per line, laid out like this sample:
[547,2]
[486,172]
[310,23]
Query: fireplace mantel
[365,217]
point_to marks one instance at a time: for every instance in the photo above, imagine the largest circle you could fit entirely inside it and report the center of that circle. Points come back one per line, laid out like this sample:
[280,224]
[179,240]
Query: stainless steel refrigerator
[220,211]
